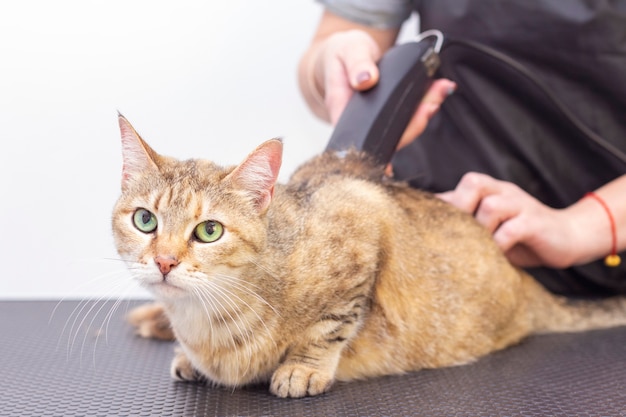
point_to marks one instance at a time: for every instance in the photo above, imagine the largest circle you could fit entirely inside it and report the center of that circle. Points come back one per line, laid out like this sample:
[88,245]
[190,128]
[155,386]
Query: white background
[205,78]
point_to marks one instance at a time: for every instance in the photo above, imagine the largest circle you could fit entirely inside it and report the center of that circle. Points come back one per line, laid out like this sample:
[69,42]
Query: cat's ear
[257,174]
[137,156]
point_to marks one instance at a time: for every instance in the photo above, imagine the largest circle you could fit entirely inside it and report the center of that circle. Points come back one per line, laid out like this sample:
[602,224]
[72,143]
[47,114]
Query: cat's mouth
[165,287]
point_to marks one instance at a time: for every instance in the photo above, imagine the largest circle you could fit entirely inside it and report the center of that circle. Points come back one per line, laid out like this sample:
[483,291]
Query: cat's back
[352,183]
[433,266]
[340,208]
[344,192]
[339,181]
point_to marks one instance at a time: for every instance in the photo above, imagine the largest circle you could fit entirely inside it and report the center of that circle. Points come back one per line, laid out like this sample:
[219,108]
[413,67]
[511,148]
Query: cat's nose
[166,263]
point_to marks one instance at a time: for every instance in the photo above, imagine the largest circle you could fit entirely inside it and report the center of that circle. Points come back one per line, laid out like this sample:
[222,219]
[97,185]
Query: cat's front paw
[150,321]
[297,380]
[182,370]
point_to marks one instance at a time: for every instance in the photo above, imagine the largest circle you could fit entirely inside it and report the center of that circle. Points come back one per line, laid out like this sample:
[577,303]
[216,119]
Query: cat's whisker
[86,284]
[101,260]
[260,319]
[235,277]
[83,304]
[111,313]
[238,285]
[245,284]
[242,285]
[74,314]
[102,301]
[77,313]
[264,268]
[229,294]
[125,287]
[203,301]
[73,333]
[224,295]
[124,261]
[209,293]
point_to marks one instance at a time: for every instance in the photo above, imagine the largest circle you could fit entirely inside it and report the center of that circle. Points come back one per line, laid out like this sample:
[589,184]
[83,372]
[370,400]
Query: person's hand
[528,232]
[346,61]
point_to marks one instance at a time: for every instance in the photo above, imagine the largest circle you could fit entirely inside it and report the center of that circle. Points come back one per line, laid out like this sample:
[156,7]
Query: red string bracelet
[613,258]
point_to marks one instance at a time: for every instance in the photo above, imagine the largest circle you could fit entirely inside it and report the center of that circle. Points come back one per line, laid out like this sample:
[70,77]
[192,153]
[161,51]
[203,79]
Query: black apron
[502,125]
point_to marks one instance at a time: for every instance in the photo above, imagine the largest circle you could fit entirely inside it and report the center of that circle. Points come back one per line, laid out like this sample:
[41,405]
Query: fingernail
[451,89]
[363,77]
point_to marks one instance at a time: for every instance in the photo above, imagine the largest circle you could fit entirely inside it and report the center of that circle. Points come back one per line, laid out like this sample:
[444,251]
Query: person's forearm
[594,227]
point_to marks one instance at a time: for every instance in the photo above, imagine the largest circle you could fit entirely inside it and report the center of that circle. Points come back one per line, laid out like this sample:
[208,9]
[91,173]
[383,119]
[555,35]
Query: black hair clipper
[374,120]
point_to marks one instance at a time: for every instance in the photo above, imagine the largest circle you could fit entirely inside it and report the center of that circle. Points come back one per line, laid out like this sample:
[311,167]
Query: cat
[339,274]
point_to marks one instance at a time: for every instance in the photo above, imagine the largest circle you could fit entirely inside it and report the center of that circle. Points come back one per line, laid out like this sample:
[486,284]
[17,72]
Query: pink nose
[166,263]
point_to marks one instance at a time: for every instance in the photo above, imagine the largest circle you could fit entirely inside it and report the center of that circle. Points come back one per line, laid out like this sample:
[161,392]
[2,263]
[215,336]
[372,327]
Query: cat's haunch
[339,274]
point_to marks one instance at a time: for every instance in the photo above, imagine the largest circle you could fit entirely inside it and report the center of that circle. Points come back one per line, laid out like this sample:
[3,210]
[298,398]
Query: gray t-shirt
[380,14]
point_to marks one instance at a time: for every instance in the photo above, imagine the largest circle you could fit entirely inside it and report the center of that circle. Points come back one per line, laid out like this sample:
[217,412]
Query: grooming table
[75,358]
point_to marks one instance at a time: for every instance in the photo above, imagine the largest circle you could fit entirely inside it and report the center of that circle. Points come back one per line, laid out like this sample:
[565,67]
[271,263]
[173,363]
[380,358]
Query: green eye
[208,231]
[145,221]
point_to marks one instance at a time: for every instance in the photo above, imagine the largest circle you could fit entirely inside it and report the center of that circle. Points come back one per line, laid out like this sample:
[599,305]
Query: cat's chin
[165,290]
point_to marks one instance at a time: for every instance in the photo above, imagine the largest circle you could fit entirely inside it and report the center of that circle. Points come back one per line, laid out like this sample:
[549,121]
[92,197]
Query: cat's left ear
[137,156]
[257,174]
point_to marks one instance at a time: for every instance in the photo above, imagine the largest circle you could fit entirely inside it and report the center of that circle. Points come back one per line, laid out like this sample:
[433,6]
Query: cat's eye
[208,231]
[144,220]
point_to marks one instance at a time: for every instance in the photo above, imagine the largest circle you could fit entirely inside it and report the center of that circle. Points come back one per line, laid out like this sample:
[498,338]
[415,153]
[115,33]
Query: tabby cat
[340,274]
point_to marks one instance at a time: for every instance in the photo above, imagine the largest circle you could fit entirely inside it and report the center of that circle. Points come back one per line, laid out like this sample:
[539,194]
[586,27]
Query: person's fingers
[511,233]
[495,209]
[338,91]
[439,91]
[512,238]
[446,196]
[430,104]
[417,124]
[523,257]
[472,188]
[389,170]
[528,232]
[349,64]
[360,56]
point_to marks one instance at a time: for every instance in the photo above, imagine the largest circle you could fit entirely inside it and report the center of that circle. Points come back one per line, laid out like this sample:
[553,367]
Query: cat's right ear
[257,175]
[137,156]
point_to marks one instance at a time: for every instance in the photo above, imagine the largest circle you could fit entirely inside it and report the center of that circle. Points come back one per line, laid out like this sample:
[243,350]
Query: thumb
[350,65]
[510,233]
[360,57]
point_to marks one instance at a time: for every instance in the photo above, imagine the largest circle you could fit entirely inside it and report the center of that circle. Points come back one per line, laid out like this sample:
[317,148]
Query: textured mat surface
[81,359]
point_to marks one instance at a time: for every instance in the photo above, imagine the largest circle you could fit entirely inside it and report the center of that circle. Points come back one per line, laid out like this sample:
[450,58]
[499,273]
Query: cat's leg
[309,368]
[307,371]
[182,369]
[150,321]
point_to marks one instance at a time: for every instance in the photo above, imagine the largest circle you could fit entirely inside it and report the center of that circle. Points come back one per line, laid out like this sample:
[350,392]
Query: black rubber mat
[81,359]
